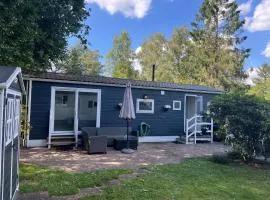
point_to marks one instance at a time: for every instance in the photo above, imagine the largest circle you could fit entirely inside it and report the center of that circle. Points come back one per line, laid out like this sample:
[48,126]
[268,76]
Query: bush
[247,118]
[221,159]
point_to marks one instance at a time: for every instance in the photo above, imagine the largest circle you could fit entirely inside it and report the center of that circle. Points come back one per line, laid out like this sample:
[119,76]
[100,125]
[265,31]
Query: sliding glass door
[74,108]
[87,115]
[64,111]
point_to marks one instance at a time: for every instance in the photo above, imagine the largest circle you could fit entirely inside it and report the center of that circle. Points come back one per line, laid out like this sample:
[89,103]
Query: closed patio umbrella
[127,112]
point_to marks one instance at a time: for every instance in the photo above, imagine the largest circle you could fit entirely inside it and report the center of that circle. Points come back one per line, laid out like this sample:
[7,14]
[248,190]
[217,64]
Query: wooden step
[53,143]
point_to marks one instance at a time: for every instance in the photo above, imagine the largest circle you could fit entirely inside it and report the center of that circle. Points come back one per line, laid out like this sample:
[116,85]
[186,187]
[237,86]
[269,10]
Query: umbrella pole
[127,136]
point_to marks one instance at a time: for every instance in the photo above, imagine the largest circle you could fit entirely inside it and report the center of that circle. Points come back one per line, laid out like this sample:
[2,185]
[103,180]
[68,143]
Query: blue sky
[141,18]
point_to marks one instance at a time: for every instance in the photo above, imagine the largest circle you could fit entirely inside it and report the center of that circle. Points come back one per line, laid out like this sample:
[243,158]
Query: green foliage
[262,83]
[25,126]
[35,178]
[119,59]
[246,117]
[221,159]
[217,39]
[34,32]
[82,61]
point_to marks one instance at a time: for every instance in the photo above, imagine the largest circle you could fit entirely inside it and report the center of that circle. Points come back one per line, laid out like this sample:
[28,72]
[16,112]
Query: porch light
[167,107]
[119,105]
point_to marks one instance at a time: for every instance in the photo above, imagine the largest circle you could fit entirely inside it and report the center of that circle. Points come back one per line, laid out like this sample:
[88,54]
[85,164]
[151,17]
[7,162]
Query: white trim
[145,111]
[3,143]
[37,143]
[177,101]
[29,103]
[157,139]
[2,99]
[16,72]
[13,92]
[185,105]
[123,86]
[76,91]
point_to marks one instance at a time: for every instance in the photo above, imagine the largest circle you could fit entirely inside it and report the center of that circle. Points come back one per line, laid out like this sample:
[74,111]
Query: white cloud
[260,21]
[266,51]
[130,8]
[245,7]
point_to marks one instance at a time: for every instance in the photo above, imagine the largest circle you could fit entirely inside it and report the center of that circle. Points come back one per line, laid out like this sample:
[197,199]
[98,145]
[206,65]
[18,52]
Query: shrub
[246,117]
[221,159]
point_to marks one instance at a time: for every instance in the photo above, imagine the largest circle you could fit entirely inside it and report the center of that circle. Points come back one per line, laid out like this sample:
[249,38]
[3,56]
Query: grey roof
[5,73]
[117,81]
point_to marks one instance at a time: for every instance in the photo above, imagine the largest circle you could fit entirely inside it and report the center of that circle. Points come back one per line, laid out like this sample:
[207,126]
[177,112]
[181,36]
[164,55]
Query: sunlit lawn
[34,178]
[194,179]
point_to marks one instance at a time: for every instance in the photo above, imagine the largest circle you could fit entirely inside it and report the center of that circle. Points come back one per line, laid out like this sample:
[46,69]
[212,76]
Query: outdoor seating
[110,132]
[121,143]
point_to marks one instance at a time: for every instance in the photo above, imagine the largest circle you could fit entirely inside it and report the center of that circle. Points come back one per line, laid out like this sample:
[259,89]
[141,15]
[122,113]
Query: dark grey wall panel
[15,164]
[7,171]
[162,123]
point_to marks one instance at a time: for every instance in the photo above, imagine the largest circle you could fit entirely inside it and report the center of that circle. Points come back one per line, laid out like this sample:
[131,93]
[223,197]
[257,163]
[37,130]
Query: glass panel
[64,111]
[145,105]
[87,110]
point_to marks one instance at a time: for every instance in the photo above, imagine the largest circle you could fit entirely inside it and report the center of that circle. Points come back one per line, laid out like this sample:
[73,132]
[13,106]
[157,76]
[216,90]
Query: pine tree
[217,34]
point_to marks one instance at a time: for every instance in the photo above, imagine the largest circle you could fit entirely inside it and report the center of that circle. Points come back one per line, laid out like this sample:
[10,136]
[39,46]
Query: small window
[64,100]
[208,104]
[90,104]
[145,106]
[176,105]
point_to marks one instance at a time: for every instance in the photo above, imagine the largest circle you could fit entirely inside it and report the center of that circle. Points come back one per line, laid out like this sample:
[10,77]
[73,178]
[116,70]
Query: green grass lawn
[194,179]
[35,178]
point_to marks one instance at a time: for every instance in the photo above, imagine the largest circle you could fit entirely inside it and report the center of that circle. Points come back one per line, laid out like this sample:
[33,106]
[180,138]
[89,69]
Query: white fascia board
[123,86]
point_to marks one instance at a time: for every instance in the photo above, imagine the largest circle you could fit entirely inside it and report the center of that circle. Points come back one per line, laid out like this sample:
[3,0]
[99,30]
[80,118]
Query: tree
[82,61]
[34,32]
[262,83]
[180,49]
[247,118]
[217,36]
[155,51]
[119,59]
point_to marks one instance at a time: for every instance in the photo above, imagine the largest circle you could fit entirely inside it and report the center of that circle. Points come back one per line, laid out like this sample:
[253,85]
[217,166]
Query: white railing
[193,127]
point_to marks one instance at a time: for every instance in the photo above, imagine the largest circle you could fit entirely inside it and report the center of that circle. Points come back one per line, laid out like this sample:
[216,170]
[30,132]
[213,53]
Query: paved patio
[147,154]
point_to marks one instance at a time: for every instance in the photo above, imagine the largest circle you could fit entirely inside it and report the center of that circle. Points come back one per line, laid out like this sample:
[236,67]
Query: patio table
[121,142]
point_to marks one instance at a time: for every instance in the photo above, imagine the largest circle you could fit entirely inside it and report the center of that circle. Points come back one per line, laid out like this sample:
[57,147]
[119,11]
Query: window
[208,104]
[9,121]
[61,99]
[145,106]
[176,105]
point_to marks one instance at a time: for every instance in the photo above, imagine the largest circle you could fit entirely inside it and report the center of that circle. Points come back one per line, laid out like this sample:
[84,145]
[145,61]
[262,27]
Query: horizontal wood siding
[163,123]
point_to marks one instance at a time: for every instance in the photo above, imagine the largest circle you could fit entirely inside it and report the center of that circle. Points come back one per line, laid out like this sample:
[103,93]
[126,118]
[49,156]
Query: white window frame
[9,121]
[145,111]
[180,103]
[17,117]
[76,93]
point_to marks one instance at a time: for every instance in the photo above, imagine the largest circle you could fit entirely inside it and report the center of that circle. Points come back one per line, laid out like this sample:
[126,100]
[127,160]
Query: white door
[198,105]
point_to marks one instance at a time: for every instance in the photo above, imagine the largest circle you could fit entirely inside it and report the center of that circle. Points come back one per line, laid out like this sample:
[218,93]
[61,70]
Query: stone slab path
[84,191]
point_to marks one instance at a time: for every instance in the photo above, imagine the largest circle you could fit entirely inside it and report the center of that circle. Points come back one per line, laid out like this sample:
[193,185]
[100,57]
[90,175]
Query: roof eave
[119,85]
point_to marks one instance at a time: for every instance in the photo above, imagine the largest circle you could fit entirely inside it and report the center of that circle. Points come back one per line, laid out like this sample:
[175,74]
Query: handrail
[194,125]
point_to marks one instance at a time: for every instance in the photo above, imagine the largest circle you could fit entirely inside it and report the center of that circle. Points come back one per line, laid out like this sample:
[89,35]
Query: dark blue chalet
[61,104]
[11,90]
